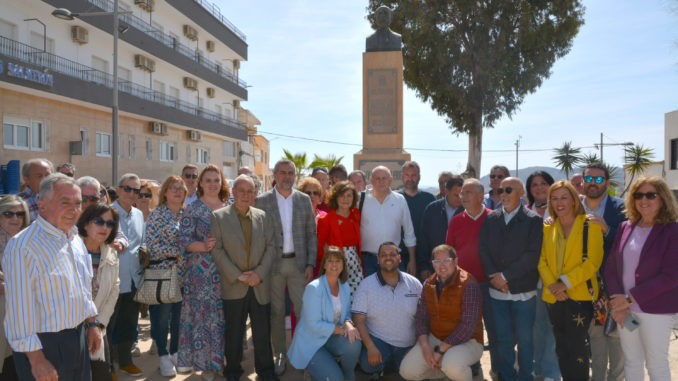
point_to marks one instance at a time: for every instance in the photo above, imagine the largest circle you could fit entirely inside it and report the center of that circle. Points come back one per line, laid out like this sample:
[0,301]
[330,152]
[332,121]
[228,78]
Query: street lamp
[65,14]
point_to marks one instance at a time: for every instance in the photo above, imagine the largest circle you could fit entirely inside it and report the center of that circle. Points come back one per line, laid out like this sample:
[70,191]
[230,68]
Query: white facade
[671,149]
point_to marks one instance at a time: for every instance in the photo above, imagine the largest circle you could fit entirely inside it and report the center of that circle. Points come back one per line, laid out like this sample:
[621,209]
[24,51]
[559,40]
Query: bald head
[381,180]
[510,192]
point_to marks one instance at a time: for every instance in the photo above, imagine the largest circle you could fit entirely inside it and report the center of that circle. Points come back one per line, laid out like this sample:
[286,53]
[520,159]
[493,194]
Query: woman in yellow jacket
[569,276]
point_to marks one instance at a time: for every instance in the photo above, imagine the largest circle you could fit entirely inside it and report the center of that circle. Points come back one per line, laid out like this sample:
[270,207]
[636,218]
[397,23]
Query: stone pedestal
[382,114]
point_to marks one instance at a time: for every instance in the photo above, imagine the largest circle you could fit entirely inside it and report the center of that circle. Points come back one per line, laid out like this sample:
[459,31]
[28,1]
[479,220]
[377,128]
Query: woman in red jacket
[341,227]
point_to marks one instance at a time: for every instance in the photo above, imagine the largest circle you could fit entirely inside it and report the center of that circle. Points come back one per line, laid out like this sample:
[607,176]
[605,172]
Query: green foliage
[567,158]
[299,160]
[475,61]
[588,158]
[636,159]
[326,162]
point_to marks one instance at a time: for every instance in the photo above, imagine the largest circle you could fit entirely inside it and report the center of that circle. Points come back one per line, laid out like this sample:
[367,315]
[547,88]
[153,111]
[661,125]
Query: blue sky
[305,66]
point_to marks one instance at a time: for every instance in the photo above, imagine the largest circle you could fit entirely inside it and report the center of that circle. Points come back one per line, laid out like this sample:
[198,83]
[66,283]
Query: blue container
[13,177]
[3,178]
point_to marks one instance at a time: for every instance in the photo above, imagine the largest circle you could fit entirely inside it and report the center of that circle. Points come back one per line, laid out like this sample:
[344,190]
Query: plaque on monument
[382,101]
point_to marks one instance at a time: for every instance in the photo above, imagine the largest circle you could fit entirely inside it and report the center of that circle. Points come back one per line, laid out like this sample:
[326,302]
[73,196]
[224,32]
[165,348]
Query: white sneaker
[184,369]
[174,358]
[208,375]
[166,367]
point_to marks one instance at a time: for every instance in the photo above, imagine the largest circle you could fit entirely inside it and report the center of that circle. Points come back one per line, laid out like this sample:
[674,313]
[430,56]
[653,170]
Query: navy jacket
[613,216]
[433,232]
[512,249]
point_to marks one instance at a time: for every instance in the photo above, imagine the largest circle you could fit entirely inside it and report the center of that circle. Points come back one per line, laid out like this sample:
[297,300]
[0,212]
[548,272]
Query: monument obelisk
[383,100]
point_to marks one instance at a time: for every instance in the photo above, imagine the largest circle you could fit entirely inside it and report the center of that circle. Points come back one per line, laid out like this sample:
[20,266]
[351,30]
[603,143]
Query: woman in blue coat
[325,331]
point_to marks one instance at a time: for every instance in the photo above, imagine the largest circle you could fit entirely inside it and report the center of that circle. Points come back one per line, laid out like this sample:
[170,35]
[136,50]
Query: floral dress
[201,329]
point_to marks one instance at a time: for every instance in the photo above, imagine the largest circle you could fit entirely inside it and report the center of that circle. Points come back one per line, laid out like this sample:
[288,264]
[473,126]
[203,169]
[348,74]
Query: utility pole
[609,144]
[517,147]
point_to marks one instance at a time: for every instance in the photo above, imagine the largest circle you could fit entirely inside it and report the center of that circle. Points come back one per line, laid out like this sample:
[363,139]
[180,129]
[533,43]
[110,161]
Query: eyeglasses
[446,261]
[176,189]
[191,176]
[145,195]
[130,189]
[312,193]
[508,190]
[90,198]
[102,192]
[10,214]
[598,179]
[98,221]
[648,195]
[68,174]
[497,177]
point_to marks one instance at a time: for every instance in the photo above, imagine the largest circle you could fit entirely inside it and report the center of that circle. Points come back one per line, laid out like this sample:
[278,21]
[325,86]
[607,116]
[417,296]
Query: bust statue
[384,39]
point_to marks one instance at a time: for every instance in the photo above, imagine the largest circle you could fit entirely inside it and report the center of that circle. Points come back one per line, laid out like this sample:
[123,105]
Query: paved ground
[149,363]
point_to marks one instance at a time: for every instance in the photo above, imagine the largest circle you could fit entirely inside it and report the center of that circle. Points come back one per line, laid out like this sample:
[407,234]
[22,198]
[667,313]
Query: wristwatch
[436,349]
[628,298]
[93,324]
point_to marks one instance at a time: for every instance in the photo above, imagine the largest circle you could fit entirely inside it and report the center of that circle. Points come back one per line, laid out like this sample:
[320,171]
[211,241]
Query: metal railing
[169,41]
[30,55]
[214,10]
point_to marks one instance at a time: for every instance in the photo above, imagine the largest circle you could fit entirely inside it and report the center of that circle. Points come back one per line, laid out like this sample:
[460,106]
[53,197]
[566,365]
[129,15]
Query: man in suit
[294,251]
[509,245]
[243,253]
[434,223]
[608,212]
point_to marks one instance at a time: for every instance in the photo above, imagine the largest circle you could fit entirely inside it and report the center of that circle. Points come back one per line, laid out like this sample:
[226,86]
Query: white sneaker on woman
[166,367]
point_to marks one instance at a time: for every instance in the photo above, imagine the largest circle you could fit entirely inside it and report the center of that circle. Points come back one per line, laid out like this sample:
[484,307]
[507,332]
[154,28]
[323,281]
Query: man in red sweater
[462,234]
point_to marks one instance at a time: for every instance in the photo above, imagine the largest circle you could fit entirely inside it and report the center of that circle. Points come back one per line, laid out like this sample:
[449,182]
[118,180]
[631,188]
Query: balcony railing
[214,10]
[54,63]
[169,41]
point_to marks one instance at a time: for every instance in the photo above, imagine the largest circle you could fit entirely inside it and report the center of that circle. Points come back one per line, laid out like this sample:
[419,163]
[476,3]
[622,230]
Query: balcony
[214,10]
[55,64]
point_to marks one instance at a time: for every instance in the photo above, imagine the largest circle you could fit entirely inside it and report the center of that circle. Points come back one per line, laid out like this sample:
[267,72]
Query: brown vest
[446,312]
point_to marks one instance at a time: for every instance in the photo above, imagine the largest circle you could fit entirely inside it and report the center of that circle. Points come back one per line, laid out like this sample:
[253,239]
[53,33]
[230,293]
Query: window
[24,134]
[168,151]
[39,41]
[149,149]
[132,147]
[201,156]
[84,138]
[674,153]
[229,148]
[103,144]
[257,155]
[7,29]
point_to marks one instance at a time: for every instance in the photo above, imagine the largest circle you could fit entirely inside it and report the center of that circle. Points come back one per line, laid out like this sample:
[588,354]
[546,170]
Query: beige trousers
[456,363]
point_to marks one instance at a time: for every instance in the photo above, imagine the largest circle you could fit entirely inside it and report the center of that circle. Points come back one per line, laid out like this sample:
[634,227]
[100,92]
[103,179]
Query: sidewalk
[149,363]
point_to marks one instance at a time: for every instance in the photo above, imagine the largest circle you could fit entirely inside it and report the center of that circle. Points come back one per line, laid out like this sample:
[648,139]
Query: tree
[588,158]
[636,158]
[326,162]
[567,158]
[299,160]
[475,61]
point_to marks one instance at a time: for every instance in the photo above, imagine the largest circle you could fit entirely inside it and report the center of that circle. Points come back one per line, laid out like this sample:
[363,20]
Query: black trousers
[67,352]
[235,313]
[124,324]
[570,321]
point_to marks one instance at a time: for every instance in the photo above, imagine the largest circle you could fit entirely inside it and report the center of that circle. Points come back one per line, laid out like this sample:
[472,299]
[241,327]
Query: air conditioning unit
[194,135]
[146,5]
[190,32]
[236,104]
[236,64]
[144,63]
[163,129]
[190,83]
[79,35]
[156,127]
[210,92]
[210,46]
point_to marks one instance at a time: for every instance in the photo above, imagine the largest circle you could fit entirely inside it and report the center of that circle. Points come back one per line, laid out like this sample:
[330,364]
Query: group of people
[391,281]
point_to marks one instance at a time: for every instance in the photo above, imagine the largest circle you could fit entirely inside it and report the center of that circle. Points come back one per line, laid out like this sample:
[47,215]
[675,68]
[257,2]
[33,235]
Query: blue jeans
[164,320]
[323,366]
[391,357]
[370,263]
[514,318]
[545,359]
[488,320]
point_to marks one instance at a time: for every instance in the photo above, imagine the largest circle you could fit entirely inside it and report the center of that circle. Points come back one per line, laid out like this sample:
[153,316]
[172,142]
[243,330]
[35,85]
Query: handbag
[159,286]
[601,310]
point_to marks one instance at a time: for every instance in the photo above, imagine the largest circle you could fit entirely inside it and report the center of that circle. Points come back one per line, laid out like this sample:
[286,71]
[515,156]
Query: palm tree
[588,158]
[299,160]
[636,158]
[326,162]
[567,158]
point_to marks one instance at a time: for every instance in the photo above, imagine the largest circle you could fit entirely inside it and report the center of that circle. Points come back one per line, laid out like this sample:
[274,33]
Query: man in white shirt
[384,214]
[190,175]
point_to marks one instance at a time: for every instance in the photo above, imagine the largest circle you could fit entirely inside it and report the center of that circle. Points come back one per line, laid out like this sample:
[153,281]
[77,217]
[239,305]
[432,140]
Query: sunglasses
[598,179]
[130,189]
[312,193]
[191,176]
[10,214]
[98,221]
[508,190]
[68,174]
[497,176]
[648,195]
[145,195]
[438,262]
[90,198]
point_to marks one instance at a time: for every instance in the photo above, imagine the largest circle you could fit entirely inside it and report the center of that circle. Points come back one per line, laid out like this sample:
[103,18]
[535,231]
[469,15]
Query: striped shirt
[48,279]
[31,199]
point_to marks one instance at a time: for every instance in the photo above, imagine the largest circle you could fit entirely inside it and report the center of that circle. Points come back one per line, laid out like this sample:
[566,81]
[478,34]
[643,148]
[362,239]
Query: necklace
[540,204]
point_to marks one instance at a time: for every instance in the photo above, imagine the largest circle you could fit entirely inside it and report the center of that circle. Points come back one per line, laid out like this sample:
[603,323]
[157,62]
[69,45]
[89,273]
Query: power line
[408,148]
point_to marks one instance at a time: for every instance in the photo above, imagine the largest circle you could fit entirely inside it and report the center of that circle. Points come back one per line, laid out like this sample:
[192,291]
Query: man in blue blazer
[608,212]
[434,223]
[295,249]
